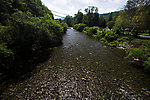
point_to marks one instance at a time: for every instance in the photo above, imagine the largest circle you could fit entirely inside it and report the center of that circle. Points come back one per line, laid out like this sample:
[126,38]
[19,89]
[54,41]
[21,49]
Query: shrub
[137,53]
[103,39]
[110,24]
[94,29]
[112,44]
[117,30]
[91,30]
[147,65]
[65,26]
[79,26]
[86,30]
[110,35]
[123,39]
[6,57]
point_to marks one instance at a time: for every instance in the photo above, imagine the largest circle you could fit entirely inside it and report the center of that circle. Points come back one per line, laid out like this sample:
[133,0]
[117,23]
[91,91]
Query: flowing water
[83,68]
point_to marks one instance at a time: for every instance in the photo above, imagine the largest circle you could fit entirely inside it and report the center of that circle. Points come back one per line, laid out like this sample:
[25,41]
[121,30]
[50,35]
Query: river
[84,68]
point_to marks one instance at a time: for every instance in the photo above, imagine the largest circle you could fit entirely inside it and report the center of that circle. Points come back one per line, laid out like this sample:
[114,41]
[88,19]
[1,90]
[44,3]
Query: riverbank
[28,66]
[138,49]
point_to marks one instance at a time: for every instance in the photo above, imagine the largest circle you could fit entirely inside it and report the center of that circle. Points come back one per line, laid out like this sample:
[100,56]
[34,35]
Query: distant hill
[106,15]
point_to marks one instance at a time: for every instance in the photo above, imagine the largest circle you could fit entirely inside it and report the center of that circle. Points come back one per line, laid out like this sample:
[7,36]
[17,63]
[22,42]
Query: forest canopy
[26,26]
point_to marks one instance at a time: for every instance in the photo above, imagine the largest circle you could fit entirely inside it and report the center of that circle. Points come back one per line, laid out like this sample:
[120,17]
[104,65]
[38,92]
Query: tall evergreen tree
[102,22]
[78,17]
[92,16]
[110,17]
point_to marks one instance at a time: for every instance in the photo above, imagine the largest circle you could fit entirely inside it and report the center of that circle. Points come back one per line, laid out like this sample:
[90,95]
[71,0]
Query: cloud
[70,7]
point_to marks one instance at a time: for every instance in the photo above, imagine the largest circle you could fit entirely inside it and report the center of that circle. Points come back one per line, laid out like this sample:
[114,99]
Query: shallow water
[83,68]
[80,50]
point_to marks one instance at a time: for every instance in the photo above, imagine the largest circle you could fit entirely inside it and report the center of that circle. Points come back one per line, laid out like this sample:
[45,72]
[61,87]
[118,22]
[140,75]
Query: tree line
[134,18]
[91,18]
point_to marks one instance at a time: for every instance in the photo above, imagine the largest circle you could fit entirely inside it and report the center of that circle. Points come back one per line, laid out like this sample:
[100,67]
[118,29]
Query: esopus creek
[84,68]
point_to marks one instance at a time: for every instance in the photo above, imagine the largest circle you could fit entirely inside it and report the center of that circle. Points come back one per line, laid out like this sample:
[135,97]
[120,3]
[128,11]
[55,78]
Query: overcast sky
[70,7]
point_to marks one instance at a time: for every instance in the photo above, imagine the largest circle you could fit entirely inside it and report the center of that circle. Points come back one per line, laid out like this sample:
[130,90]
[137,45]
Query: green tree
[25,26]
[135,16]
[78,17]
[96,17]
[110,24]
[84,20]
[102,22]
[69,20]
[92,16]
[110,17]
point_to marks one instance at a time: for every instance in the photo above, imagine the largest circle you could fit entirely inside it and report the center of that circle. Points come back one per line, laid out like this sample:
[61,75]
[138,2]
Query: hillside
[106,15]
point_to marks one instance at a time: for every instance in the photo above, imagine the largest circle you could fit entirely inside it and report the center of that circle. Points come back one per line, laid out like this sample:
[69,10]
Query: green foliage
[96,19]
[110,17]
[65,26]
[85,30]
[113,44]
[92,16]
[117,30]
[123,39]
[30,32]
[29,26]
[102,22]
[110,35]
[147,65]
[78,17]
[137,53]
[110,24]
[79,26]
[135,17]
[6,57]
[69,20]
[8,7]
[91,30]
[99,34]
[123,21]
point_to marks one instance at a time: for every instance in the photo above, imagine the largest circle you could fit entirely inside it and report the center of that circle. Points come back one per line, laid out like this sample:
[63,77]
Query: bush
[6,57]
[91,30]
[138,53]
[123,39]
[109,35]
[116,30]
[79,27]
[94,29]
[110,24]
[103,39]
[65,26]
[147,65]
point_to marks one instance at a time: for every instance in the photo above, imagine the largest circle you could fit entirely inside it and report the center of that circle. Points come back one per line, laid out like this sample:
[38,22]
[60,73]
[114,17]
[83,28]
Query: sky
[71,7]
